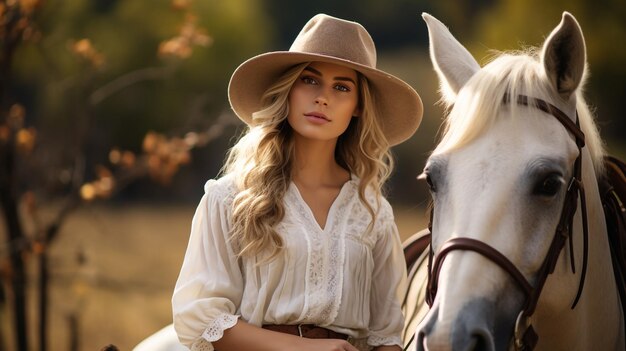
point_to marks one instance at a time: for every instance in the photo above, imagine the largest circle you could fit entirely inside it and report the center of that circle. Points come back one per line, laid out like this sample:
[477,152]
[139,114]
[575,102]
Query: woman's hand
[245,336]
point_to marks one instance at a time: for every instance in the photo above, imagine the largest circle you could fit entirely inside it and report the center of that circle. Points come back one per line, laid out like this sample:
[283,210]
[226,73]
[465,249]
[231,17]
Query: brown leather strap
[469,244]
[561,116]
[306,331]
[563,233]
[530,339]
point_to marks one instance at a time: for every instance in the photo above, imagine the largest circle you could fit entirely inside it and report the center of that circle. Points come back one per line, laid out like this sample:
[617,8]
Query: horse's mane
[510,73]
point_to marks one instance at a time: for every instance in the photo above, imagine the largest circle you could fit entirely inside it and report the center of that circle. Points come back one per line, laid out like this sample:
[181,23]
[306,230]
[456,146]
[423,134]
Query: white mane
[477,103]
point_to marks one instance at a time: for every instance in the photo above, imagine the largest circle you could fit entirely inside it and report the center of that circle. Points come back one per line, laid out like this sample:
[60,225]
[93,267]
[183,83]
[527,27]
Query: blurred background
[114,113]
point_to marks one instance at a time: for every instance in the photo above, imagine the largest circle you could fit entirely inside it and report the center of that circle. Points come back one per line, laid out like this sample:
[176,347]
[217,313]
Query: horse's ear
[564,56]
[453,63]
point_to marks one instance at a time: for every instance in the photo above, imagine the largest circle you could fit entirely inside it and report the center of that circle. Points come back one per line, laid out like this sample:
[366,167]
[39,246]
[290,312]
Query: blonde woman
[295,247]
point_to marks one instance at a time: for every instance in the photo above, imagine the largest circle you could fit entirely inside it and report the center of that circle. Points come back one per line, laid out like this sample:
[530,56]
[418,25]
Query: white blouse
[340,277]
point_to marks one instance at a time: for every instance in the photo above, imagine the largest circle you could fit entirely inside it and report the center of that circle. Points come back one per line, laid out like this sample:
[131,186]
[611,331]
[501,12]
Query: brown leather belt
[310,331]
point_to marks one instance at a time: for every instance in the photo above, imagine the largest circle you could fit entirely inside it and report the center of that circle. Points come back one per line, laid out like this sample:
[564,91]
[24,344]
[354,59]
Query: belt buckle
[300,330]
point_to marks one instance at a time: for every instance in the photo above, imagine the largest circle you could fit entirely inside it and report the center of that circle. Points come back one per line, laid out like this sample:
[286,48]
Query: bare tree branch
[134,77]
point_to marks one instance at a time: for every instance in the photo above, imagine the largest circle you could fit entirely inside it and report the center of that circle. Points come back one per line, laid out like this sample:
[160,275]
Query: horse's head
[500,176]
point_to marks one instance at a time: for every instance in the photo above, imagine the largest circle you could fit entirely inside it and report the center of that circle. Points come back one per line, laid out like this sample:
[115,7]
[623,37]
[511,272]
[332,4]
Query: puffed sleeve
[209,288]
[388,284]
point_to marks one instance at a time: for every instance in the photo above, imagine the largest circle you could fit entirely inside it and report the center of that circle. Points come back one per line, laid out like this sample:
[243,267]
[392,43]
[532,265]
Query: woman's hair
[262,159]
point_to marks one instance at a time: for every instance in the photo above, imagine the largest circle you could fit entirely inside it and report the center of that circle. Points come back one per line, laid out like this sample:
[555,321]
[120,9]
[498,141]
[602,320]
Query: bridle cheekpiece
[525,337]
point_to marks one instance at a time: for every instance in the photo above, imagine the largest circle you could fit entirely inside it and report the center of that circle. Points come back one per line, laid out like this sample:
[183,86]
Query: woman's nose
[321,99]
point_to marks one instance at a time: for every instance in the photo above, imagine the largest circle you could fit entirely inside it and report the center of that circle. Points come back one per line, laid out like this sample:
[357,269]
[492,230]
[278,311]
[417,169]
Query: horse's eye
[431,185]
[549,185]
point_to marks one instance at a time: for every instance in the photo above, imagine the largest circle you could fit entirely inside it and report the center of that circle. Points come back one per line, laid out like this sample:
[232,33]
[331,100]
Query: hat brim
[399,106]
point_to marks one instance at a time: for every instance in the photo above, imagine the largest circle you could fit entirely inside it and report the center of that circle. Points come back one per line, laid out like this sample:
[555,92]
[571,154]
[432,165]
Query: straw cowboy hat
[328,39]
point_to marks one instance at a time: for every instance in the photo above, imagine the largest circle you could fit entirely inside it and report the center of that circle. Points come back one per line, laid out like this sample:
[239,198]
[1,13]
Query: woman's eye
[341,87]
[308,80]
[549,186]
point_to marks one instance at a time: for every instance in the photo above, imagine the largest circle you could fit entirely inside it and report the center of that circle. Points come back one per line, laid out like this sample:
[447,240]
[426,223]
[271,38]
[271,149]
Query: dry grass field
[114,269]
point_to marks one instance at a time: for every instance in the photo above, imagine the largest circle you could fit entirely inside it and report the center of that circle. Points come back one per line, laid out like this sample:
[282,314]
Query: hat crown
[331,36]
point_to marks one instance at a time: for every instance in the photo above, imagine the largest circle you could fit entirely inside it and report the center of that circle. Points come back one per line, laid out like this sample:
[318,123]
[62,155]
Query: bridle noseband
[525,336]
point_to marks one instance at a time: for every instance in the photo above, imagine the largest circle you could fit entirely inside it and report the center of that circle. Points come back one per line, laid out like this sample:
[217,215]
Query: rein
[525,336]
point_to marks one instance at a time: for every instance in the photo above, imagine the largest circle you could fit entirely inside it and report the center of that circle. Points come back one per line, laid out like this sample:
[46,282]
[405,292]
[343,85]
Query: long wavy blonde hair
[262,162]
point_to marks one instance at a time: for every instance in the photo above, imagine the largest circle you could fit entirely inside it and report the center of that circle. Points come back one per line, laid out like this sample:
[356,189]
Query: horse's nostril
[480,344]
[481,341]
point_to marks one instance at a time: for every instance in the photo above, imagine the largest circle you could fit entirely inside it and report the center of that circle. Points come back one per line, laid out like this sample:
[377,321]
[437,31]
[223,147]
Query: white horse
[499,177]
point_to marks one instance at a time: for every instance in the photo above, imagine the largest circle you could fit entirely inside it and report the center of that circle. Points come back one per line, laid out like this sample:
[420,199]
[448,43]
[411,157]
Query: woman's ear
[357,112]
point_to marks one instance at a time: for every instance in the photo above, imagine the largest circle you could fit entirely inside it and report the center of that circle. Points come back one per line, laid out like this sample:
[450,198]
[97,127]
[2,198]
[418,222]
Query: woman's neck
[314,164]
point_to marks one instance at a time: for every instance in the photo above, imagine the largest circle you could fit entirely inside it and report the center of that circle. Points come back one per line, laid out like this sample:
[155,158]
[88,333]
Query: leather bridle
[525,336]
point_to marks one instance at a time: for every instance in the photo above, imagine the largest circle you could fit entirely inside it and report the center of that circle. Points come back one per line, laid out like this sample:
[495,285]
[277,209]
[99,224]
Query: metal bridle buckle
[521,322]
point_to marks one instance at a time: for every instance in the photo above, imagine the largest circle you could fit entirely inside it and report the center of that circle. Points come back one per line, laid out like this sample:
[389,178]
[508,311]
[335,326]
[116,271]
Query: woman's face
[323,100]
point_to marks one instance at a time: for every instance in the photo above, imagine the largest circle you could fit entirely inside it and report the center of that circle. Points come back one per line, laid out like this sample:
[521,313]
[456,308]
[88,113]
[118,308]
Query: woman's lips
[316,117]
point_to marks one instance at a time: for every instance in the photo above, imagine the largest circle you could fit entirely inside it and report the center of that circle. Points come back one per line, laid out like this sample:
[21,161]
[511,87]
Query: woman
[295,247]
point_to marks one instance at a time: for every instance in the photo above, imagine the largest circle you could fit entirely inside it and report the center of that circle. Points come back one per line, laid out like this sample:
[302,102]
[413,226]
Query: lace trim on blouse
[357,223]
[326,252]
[375,340]
[202,345]
[214,332]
